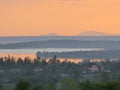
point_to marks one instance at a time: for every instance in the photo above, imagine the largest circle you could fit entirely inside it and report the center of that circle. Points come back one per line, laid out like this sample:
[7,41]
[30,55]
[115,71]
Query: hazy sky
[64,17]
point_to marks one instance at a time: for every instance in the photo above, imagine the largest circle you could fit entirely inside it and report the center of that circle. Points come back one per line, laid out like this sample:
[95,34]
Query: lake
[33,51]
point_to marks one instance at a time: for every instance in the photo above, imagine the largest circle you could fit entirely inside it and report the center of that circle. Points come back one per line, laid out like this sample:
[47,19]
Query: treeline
[42,71]
[67,84]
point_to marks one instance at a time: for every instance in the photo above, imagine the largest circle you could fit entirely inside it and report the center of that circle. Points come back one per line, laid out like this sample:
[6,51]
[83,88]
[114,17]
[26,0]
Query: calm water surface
[33,51]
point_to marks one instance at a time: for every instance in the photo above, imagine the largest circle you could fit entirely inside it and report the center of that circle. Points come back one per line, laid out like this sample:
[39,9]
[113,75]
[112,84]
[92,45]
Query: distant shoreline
[17,39]
[107,54]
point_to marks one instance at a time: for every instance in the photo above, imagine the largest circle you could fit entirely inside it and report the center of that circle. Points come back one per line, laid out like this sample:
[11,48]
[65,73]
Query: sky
[64,17]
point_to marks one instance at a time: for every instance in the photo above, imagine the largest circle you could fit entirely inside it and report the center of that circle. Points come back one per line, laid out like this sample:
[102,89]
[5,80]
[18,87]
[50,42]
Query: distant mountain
[51,34]
[93,33]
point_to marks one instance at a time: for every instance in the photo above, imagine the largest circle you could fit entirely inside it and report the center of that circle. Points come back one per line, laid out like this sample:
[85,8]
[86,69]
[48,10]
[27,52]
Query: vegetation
[67,84]
[40,74]
[22,85]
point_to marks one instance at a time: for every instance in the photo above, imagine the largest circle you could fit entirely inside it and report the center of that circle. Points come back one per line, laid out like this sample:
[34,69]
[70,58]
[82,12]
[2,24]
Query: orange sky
[64,17]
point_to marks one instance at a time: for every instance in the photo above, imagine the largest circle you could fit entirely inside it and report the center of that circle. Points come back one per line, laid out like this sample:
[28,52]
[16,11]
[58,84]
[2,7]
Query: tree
[20,61]
[1,87]
[51,86]
[39,87]
[22,85]
[53,60]
[111,85]
[87,85]
[68,84]
[27,61]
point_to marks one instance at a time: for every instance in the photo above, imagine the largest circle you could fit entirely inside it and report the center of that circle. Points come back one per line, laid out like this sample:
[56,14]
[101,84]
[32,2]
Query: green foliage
[39,87]
[22,85]
[51,86]
[88,85]
[111,85]
[1,86]
[41,71]
[68,84]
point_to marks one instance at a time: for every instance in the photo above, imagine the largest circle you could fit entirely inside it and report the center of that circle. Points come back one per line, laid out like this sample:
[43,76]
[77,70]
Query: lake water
[33,51]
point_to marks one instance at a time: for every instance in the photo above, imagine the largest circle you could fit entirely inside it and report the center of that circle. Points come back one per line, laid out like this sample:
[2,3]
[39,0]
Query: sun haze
[63,17]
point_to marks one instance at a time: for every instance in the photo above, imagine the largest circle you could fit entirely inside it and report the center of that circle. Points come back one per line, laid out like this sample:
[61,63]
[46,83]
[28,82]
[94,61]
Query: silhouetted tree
[22,85]
[39,87]
[51,86]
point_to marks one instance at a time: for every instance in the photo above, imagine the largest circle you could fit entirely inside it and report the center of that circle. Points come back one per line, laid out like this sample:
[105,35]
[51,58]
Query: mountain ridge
[93,33]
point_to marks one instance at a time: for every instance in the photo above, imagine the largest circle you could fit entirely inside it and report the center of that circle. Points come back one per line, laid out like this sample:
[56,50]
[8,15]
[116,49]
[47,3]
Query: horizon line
[63,36]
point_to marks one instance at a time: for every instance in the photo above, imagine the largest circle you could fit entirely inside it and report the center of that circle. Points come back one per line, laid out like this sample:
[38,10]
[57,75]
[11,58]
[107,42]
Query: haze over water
[33,51]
